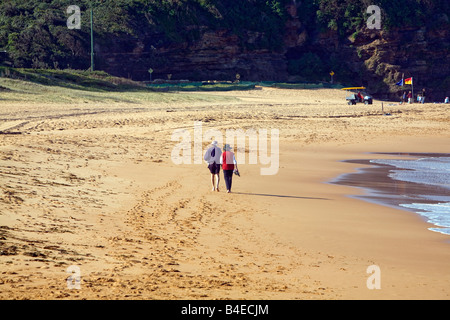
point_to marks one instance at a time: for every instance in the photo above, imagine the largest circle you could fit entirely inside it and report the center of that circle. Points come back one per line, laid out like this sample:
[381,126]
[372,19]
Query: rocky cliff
[373,58]
[261,40]
[216,55]
[383,57]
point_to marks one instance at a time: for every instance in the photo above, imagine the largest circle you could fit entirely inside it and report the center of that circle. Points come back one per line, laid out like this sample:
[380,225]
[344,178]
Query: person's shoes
[228,191]
[213,189]
[217,189]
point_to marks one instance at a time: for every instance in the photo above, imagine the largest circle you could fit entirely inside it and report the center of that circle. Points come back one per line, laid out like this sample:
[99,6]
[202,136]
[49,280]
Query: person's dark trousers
[228,176]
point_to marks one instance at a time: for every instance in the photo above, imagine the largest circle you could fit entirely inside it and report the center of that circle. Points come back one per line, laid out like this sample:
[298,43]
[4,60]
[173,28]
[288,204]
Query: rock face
[373,58]
[216,55]
[383,58]
[220,55]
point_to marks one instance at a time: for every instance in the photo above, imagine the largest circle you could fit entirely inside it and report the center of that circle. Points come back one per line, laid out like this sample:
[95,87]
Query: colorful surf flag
[409,81]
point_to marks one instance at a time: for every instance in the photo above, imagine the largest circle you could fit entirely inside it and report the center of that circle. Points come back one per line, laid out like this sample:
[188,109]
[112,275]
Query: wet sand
[382,189]
[92,184]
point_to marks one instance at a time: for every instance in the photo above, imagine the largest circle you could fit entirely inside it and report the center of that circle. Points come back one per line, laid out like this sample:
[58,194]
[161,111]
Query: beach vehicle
[354,96]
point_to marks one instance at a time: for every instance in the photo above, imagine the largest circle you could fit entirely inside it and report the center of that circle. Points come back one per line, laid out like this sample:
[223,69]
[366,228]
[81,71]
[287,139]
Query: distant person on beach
[404,97]
[360,96]
[213,158]
[423,96]
[229,165]
[409,96]
[446,100]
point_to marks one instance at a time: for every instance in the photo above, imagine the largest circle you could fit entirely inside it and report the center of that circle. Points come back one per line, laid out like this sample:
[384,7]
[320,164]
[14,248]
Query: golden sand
[91,184]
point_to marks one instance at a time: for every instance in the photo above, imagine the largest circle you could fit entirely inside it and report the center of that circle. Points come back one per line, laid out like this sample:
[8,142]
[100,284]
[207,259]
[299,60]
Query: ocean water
[430,171]
[435,213]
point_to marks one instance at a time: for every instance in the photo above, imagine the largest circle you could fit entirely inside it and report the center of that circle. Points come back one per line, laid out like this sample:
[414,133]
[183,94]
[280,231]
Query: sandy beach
[87,180]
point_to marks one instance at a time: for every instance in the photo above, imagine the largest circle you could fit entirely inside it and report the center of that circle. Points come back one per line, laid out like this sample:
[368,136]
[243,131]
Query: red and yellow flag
[409,81]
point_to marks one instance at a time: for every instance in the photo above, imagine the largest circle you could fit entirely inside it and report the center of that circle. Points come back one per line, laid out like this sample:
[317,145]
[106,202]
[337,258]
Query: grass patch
[247,85]
[74,79]
[200,86]
[77,87]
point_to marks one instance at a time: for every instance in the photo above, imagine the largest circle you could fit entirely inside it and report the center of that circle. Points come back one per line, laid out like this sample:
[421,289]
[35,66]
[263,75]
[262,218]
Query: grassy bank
[75,87]
[80,86]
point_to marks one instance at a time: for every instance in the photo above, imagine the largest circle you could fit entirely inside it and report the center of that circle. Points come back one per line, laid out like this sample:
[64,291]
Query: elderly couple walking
[215,159]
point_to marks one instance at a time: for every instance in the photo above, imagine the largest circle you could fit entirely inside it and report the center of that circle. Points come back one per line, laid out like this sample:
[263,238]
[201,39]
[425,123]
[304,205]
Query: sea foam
[433,171]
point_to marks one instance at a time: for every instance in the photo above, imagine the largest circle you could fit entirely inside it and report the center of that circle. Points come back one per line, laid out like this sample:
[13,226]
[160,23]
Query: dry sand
[92,185]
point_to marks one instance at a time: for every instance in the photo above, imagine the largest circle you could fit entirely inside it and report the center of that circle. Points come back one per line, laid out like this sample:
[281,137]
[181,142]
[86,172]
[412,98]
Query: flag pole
[92,39]
[412,88]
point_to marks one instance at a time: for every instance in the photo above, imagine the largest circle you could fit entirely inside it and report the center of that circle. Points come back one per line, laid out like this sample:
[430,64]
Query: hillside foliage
[35,34]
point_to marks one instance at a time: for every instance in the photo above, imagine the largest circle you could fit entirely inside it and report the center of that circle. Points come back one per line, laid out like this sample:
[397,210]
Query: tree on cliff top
[34,32]
[347,16]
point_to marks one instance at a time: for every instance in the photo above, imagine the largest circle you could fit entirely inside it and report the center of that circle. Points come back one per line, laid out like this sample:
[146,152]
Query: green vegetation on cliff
[348,15]
[34,32]
[35,35]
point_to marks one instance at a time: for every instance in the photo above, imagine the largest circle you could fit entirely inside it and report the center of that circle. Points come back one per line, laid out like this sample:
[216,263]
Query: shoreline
[321,217]
[384,190]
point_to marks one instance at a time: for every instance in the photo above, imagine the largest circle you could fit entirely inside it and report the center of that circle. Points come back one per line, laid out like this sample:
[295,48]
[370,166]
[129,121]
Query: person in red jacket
[409,97]
[229,164]
[360,96]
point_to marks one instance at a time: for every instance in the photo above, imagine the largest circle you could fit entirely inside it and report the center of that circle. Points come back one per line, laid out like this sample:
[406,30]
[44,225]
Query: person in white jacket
[213,156]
